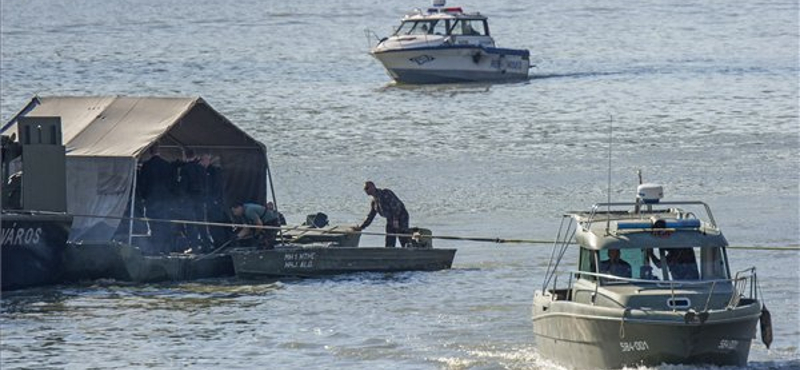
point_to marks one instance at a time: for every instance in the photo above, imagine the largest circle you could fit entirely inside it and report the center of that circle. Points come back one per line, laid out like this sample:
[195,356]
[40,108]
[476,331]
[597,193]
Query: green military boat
[664,294]
[340,258]
[320,260]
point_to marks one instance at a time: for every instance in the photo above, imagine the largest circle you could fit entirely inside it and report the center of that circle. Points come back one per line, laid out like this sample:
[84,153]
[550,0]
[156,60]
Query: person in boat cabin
[615,265]
[387,204]
[681,263]
[259,215]
[468,30]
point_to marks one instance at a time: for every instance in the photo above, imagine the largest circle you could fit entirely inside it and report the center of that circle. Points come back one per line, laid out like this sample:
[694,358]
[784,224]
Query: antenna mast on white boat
[610,137]
[638,199]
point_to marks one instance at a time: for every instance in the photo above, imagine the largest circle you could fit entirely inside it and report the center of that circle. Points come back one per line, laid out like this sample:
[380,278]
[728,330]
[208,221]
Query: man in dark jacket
[156,186]
[192,193]
[388,205]
[214,200]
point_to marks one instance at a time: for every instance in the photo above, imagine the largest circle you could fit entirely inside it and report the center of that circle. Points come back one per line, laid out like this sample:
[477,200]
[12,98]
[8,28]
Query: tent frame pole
[133,201]
[272,190]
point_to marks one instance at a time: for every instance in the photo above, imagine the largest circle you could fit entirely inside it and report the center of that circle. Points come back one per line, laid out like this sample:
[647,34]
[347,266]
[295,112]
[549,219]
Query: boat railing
[744,285]
[566,232]
[597,209]
[369,35]
[745,280]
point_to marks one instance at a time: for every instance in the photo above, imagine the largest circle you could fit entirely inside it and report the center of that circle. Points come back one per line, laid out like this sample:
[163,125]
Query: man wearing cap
[388,205]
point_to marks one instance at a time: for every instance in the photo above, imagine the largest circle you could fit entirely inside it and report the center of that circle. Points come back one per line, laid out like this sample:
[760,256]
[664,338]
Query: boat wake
[523,358]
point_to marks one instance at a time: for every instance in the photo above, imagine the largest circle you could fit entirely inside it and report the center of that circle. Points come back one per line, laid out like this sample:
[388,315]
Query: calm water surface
[703,97]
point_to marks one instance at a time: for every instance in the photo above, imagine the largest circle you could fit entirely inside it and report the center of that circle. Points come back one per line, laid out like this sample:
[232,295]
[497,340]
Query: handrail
[739,283]
[597,206]
[564,241]
[660,282]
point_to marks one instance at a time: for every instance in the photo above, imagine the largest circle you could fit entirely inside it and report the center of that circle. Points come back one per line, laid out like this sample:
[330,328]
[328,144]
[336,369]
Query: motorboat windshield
[656,264]
[443,27]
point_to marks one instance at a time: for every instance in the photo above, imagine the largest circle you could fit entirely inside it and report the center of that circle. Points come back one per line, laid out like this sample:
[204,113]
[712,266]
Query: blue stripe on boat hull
[417,76]
[499,51]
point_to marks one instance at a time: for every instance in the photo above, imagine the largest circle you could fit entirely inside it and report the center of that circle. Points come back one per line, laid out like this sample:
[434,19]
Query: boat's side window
[712,262]
[438,27]
[468,27]
[587,263]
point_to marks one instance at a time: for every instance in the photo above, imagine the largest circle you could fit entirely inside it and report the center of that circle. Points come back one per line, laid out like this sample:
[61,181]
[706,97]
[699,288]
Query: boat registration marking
[728,344]
[299,260]
[637,346]
[508,64]
[20,236]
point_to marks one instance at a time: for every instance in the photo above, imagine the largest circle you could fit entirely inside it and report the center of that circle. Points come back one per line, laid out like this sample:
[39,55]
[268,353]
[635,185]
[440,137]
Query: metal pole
[133,201]
[272,190]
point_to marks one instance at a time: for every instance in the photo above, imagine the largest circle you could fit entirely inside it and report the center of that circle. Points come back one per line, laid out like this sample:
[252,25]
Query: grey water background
[703,95]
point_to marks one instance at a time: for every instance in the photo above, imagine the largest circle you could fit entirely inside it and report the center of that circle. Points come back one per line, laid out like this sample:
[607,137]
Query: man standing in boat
[388,205]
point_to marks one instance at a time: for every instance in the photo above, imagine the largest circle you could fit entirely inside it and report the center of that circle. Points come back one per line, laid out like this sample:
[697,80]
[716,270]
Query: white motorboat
[446,45]
[652,286]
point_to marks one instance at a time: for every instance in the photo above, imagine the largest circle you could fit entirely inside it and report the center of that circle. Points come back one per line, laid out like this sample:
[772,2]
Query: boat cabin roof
[441,13]
[666,228]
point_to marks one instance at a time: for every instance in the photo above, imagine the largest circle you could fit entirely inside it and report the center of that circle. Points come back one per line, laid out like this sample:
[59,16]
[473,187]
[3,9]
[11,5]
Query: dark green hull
[325,261]
[126,263]
[32,249]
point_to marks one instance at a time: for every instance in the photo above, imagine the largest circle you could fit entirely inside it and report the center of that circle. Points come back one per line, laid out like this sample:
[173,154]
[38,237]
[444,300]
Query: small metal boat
[334,259]
[652,286]
[310,261]
[446,45]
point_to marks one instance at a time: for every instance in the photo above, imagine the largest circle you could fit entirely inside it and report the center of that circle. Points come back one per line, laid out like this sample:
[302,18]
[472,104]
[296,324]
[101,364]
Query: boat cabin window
[629,263]
[658,264]
[433,27]
[618,262]
[690,263]
[586,262]
[713,264]
[470,27]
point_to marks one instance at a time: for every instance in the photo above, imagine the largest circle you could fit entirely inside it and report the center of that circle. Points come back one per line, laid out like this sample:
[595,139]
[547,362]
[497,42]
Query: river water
[702,96]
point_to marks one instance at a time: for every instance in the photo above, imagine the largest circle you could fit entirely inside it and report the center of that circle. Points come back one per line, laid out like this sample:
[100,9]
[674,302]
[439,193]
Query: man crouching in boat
[259,215]
[387,204]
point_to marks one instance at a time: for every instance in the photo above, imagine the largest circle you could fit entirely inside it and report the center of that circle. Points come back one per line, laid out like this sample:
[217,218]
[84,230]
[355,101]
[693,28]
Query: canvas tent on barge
[106,137]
